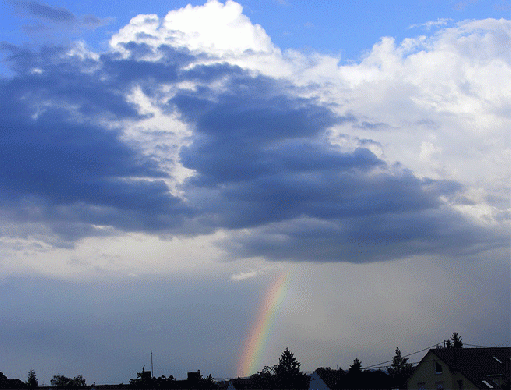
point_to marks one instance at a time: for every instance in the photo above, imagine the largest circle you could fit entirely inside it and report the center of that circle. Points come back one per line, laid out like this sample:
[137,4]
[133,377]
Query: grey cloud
[372,126]
[46,19]
[92,21]
[34,8]
[261,157]
[367,238]
[263,162]
[77,173]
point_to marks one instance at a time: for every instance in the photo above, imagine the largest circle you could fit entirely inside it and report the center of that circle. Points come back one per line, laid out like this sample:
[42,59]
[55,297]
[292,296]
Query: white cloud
[449,90]
[215,28]
[244,275]
[431,23]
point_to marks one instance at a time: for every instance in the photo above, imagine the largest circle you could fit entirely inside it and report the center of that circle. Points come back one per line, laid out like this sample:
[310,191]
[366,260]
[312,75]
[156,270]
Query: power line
[383,364]
[477,346]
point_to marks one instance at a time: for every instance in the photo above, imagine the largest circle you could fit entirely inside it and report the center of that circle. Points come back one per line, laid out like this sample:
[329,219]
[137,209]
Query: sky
[215,182]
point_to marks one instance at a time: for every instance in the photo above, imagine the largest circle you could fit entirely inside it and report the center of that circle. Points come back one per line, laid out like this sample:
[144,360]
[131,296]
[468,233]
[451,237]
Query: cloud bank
[195,123]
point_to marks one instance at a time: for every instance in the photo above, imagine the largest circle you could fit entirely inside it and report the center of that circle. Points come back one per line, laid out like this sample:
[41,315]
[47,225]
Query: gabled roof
[479,365]
[317,383]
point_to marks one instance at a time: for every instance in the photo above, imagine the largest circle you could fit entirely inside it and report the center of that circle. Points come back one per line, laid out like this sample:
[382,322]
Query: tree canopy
[400,369]
[64,381]
[32,379]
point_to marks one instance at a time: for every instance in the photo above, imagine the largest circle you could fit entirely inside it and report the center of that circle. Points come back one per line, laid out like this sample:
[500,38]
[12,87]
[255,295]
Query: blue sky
[348,29]
[162,165]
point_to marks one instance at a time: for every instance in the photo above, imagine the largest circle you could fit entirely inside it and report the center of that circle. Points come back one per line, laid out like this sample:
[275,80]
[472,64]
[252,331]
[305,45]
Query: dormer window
[438,368]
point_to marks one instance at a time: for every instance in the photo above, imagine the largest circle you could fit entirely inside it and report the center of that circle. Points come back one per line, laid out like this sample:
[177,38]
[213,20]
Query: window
[438,368]
[421,386]
[439,385]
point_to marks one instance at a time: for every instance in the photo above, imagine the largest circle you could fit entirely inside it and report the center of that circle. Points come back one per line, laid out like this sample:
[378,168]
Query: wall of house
[433,374]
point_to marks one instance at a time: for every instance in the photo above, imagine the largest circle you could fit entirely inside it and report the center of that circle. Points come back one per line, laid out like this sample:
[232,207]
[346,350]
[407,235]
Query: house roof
[479,365]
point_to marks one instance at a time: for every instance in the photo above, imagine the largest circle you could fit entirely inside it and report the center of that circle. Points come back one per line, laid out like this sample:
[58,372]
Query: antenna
[152,375]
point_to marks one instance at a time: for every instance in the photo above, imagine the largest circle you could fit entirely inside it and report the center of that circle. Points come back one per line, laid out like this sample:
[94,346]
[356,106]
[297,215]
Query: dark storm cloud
[56,157]
[366,238]
[261,159]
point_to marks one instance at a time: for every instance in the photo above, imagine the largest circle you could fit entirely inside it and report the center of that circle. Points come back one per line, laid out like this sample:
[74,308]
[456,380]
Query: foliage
[164,381]
[287,372]
[285,375]
[400,369]
[265,379]
[63,381]
[288,365]
[356,367]
[32,379]
[454,341]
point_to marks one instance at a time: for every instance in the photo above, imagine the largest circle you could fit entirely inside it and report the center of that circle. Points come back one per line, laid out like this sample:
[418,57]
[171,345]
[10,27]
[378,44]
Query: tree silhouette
[32,379]
[64,381]
[456,340]
[265,379]
[288,365]
[288,373]
[356,367]
[285,375]
[400,369]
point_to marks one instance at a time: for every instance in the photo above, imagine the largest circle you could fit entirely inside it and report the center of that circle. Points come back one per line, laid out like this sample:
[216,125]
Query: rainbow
[256,339]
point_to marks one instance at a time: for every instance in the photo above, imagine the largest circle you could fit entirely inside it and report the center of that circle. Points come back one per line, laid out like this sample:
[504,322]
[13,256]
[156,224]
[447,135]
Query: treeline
[287,375]
[32,382]
[284,375]
[393,376]
[356,378]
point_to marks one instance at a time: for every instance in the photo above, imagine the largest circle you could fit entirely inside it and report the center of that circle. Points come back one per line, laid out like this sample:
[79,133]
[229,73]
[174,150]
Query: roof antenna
[152,375]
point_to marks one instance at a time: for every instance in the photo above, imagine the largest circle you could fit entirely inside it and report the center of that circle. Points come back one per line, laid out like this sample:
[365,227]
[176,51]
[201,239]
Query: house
[462,369]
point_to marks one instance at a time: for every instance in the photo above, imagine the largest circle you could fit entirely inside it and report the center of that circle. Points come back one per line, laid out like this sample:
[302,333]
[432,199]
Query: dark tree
[400,369]
[164,382]
[288,365]
[285,375]
[356,367]
[288,375]
[32,379]
[353,379]
[63,381]
[456,341]
[265,379]
[78,381]
[60,381]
